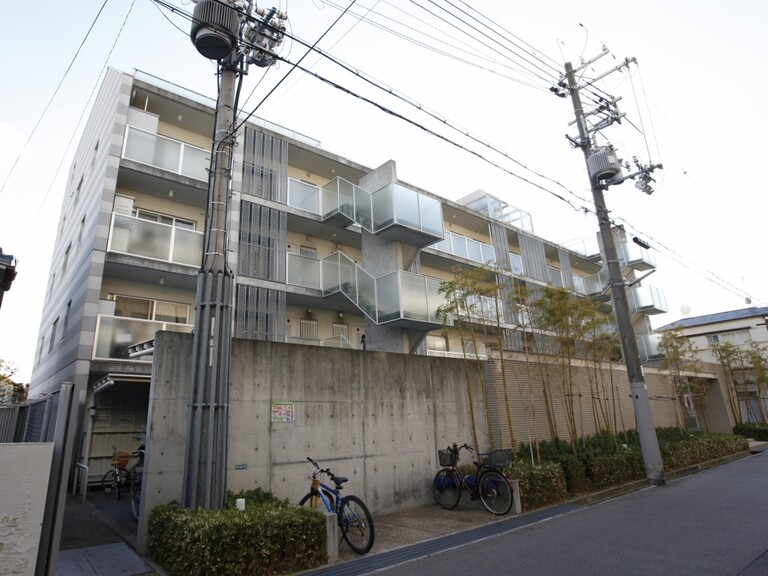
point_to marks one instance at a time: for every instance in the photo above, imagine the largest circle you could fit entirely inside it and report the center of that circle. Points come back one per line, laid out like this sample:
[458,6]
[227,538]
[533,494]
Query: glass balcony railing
[646,300]
[468,248]
[484,308]
[303,271]
[399,295]
[131,235]
[395,204]
[304,196]
[340,196]
[166,153]
[635,256]
[555,276]
[648,347]
[114,335]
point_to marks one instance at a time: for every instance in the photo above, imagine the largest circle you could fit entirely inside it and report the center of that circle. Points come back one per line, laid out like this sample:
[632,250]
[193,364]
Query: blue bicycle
[355,521]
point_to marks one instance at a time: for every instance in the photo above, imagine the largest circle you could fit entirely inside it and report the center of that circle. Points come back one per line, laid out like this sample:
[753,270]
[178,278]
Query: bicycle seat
[339,479]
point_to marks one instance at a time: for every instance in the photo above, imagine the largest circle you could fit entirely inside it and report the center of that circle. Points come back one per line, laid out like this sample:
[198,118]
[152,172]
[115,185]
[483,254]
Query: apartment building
[324,251]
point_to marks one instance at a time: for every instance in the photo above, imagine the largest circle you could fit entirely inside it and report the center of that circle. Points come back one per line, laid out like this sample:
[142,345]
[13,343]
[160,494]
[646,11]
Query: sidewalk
[98,537]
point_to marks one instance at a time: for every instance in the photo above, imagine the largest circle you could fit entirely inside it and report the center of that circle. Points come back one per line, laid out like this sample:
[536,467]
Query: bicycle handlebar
[319,470]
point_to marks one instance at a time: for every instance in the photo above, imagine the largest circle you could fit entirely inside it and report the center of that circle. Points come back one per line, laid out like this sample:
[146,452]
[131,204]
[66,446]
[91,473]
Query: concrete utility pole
[230,34]
[600,179]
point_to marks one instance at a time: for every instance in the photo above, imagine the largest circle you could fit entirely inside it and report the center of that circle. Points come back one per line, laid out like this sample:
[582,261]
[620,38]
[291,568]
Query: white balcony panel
[114,334]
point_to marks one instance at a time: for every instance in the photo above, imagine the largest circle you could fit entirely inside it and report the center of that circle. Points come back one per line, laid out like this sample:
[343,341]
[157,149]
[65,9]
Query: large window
[144,309]
[164,219]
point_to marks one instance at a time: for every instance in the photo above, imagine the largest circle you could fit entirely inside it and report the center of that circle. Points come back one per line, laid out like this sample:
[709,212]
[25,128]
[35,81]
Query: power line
[50,101]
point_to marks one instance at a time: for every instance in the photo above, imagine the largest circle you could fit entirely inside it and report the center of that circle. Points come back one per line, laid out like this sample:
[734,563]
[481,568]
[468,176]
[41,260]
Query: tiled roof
[717,318]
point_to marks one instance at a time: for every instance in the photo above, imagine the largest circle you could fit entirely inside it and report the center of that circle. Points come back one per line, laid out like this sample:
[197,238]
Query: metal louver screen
[265,166]
[260,314]
[263,242]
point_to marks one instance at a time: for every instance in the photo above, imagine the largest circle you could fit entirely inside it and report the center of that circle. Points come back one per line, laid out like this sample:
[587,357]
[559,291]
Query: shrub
[700,447]
[620,467]
[540,485]
[264,539]
[752,430]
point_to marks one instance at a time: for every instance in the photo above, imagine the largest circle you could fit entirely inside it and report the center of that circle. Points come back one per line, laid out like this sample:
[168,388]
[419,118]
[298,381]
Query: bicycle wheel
[113,481]
[314,500]
[136,481]
[447,486]
[495,493]
[356,524]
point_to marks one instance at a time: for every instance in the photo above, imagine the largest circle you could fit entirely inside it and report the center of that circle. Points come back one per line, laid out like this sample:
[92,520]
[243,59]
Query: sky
[473,86]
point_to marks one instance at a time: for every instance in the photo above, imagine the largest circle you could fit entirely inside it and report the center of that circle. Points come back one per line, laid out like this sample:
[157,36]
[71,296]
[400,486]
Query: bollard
[516,507]
[331,535]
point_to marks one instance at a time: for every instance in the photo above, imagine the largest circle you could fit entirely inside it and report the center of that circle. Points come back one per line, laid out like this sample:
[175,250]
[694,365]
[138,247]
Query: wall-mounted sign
[283,411]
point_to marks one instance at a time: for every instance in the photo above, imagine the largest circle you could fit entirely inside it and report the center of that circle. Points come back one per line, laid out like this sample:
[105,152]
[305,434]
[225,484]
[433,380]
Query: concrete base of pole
[649,444]
[332,535]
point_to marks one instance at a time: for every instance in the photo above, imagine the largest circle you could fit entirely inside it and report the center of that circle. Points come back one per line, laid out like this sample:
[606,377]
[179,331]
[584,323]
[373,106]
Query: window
[78,189]
[80,235]
[308,328]
[144,309]
[66,320]
[438,343]
[164,219]
[308,251]
[53,335]
[516,263]
[66,259]
[340,329]
[42,347]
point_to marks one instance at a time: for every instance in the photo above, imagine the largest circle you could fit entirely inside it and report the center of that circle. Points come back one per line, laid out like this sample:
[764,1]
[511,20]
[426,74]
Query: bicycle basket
[447,457]
[122,459]
[498,458]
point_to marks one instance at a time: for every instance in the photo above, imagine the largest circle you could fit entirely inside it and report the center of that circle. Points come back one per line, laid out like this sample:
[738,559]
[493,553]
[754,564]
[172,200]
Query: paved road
[714,522]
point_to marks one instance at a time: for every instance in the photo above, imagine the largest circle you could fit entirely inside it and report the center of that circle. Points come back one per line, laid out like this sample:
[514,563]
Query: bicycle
[489,484]
[118,477]
[355,521]
[136,477]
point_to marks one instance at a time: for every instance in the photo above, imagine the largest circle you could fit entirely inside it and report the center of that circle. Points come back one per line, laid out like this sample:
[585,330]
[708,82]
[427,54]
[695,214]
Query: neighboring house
[324,251]
[737,327]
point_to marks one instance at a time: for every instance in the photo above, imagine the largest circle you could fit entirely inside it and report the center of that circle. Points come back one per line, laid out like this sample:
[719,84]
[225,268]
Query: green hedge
[751,430]
[604,460]
[540,485]
[700,447]
[264,539]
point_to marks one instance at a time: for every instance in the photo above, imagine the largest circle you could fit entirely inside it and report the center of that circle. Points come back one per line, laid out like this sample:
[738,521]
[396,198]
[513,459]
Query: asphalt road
[714,522]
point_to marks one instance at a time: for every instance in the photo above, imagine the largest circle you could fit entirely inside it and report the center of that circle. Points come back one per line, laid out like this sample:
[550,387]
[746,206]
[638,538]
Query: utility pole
[228,32]
[604,169]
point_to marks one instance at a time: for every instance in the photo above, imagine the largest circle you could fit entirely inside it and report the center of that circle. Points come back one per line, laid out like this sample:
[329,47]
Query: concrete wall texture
[24,476]
[375,417]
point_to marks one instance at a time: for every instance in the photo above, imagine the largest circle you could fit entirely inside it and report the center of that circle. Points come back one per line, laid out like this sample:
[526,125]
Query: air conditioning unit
[603,164]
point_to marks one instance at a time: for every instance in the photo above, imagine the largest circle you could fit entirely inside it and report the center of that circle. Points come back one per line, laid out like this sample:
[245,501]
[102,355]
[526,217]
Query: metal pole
[649,444]
[205,463]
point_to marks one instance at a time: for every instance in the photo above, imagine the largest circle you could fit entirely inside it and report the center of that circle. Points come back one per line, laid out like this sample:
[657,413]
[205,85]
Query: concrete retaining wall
[24,474]
[374,417]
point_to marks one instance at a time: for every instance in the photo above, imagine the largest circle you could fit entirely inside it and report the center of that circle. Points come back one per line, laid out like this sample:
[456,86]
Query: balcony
[636,257]
[646,300]
[402,214]
[464,247]
[344,203]
[165,153]
[303,196]
[409,299]
[115,334]
[131,235]
[648,347]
